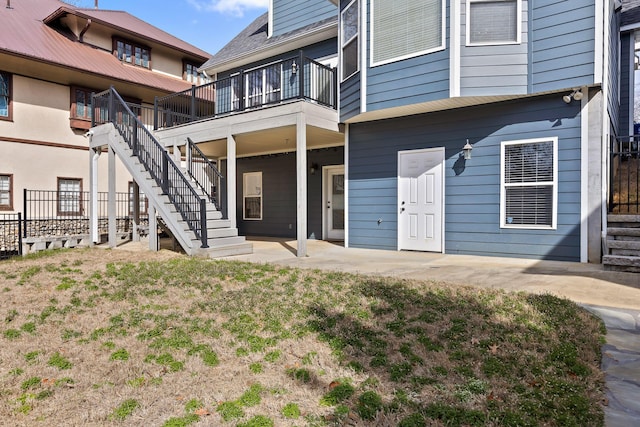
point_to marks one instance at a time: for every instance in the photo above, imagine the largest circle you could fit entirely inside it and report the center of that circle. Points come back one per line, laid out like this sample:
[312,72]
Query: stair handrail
[206,169]
[109,107]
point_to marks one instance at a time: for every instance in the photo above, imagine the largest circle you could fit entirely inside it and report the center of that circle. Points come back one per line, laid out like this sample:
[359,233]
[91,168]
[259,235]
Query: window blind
[529,184]
[403,28]
[493,21]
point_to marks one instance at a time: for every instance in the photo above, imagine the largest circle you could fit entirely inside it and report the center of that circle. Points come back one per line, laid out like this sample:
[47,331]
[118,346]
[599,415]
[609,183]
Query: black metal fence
[55,213]
[10,235]
[624,187]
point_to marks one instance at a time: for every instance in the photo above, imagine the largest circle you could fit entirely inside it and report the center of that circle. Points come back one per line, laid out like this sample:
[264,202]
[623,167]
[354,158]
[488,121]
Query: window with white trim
[529,183]
[69,196]
[6,192]
[252,196]
[403,29]
[493,22]
[349,31]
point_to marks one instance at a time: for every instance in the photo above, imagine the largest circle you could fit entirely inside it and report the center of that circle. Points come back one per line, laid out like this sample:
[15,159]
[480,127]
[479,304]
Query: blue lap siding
[472,188]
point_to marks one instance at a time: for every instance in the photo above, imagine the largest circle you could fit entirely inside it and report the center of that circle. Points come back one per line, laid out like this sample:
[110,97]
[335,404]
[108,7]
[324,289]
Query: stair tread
[624,244]
[621,260]
[619,231]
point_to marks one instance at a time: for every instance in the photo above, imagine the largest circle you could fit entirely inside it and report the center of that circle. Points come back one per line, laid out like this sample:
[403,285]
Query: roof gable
[25,35]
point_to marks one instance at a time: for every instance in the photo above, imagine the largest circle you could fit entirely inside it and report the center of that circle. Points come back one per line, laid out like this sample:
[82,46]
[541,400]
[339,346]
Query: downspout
[84,30]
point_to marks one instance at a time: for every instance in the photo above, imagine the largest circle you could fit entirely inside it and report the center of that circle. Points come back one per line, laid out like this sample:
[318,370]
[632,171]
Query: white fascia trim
[454,59]
[270,21]
[584,176]
[346,185]
[630,27]
[600,41]
[604,78]
[317,35]
[363,56]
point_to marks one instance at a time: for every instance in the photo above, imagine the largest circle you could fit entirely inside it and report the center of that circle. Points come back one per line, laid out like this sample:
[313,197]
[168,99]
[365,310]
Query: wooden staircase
[622,244]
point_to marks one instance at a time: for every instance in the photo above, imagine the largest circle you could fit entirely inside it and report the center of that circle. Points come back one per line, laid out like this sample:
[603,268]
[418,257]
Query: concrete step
[226,250]
[222,241]
[621,263]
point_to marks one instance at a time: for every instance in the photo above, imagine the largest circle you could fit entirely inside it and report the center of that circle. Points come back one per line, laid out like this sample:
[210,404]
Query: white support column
[94,155]
[111,199]
[231,180]
[153,229]
[301,185]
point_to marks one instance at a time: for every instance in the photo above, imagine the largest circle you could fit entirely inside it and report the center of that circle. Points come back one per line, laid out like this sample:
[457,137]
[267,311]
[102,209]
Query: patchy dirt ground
[111,337]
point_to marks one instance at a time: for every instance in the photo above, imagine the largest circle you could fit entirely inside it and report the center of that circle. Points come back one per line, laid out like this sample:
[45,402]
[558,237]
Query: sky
[206,24]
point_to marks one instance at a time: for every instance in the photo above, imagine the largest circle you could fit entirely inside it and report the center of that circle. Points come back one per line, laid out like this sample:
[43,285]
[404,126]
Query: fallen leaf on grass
[202,412]
[494,348]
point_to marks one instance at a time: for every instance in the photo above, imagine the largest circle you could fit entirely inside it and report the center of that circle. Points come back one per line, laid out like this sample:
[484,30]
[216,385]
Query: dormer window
[132,53]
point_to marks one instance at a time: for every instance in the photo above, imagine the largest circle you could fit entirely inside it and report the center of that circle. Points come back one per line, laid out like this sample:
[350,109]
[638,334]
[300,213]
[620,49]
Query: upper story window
[5,96]
[190,73]
[529,190]
[80,108]
[493,22]
[349,31]
[132,53]
[407,28]
[6,192]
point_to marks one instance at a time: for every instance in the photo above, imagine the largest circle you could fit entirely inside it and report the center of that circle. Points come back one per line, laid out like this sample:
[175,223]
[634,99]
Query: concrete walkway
[613,296]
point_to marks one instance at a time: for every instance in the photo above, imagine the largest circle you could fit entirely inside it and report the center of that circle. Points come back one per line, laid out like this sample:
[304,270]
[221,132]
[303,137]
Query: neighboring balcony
[292,79]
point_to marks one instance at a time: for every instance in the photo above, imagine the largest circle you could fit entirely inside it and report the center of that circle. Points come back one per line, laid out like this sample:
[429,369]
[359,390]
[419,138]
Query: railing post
[203,224]
[301,94]
[155,113]
[188,155]
[134,138]
[19,233]
[111,106]
[611,173]
[193,103]
[165,172]
[24,210]
[241,95]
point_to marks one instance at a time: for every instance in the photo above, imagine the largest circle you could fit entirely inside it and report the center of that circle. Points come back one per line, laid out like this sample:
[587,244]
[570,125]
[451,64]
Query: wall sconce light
[575,95]
[467,150]
[294,67]
[313,168]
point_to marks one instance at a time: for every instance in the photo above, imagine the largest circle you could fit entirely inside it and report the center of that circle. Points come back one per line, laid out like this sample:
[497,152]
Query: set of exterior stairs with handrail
[622,245]
[186,210]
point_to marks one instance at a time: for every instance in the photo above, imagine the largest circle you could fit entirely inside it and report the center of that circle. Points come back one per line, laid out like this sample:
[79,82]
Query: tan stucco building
[52,57]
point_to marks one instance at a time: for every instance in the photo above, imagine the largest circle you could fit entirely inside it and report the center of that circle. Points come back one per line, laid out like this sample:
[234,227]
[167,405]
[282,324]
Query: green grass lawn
[89,338]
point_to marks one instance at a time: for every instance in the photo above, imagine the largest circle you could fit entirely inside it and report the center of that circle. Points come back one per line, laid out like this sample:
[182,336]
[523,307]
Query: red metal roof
[24,33]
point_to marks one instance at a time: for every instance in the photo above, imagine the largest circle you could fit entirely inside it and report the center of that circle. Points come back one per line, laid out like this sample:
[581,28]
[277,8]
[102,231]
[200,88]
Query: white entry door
[333,177]
[420,199]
